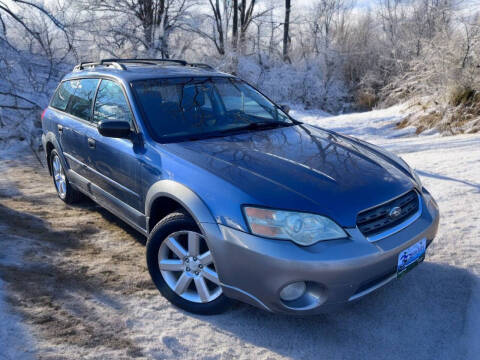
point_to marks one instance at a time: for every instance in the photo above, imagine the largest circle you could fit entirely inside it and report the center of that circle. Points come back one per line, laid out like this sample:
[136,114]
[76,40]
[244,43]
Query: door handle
[91,143]
[60,128]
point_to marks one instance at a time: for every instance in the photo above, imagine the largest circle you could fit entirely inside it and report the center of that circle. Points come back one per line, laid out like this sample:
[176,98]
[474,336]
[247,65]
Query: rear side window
[81,102]
[111,104]
[62,96]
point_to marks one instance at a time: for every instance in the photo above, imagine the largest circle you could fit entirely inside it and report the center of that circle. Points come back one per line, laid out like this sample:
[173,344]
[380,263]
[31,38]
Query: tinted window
[111,103]
[63,95]
[182,107]
[81,102]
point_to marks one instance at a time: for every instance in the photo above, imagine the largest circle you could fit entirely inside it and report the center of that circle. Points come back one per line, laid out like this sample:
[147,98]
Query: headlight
[302,228]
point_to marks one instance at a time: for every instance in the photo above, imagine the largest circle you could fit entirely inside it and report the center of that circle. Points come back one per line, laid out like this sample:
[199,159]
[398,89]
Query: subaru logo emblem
[395,212]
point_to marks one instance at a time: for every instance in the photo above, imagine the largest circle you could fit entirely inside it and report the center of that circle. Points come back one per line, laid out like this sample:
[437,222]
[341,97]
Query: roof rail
[119,63]
[114,64]
[146,61]
[202,65]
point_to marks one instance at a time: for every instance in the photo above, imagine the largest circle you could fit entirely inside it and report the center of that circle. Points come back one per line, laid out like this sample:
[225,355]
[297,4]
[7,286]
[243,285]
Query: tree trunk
[154,19]
[246,16]
[242,25]
[235,25]
[221,38]
[286,28]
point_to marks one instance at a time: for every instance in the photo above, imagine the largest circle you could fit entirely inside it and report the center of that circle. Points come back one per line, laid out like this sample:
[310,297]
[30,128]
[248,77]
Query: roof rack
[119,63]
[145,61]
[86,64]
[202,65]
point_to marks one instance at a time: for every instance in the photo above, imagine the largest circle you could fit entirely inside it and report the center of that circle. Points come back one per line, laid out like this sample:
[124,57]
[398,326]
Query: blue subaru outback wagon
[237,199]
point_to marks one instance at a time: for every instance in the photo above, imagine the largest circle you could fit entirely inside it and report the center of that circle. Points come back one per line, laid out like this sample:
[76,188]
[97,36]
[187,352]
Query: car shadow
[420,316]
[65,303]
[448,178]
[89,204]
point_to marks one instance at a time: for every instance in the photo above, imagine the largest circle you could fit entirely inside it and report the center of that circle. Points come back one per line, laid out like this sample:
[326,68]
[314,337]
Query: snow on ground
[14,339]
[367,125]
[79,283]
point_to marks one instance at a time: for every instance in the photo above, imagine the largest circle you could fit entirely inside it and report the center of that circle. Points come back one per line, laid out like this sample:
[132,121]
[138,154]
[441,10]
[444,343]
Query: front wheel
[182,267]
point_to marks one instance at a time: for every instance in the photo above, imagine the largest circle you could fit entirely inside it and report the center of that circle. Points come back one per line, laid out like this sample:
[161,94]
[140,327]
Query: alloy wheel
[186,265]
[59,177]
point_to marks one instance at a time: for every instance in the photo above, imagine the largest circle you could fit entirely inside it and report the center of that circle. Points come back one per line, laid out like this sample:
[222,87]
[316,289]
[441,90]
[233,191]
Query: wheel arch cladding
[161,207]
[48,148]
[51,143]
[169,193]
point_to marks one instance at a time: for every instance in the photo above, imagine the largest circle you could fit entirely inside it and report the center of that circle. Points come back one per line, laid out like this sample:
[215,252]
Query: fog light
[293,291]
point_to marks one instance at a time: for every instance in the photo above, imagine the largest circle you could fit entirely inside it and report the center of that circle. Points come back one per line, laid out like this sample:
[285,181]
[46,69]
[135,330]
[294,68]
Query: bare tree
[138,25]
[247,15]
[235,25]
[219,34]
[286,35]
[33,44]
[213,25]
[16,16]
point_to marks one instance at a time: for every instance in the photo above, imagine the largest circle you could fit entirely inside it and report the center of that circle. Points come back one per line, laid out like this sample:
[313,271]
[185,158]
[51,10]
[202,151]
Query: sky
[358,3]
[469,4]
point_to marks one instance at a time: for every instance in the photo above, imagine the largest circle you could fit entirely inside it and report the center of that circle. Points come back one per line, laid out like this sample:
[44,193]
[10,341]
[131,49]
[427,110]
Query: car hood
[301,168]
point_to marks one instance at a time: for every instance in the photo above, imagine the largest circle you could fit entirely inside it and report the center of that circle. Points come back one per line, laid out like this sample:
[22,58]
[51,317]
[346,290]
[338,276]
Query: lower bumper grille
[373,285]
[383,217]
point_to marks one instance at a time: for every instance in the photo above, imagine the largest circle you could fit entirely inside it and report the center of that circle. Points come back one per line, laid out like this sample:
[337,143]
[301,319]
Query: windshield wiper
[257,126]
[252,126]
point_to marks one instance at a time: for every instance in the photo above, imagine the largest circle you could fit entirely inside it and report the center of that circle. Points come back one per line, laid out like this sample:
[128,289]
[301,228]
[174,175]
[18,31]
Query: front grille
[378,219]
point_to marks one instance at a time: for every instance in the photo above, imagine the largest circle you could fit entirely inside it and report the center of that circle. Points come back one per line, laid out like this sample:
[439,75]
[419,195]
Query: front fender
[195,206]
[183,195]
[208,226]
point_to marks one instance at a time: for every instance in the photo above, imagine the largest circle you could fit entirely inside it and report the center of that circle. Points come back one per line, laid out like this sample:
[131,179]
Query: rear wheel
[182,267]
[65,191]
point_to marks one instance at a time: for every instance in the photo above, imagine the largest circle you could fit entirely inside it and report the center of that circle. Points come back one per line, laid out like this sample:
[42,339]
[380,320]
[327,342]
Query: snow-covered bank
[91,296]
[367,125]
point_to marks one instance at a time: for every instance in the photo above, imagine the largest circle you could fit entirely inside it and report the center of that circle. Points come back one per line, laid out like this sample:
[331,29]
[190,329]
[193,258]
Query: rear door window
[111,104]
[81,103]
[63,96]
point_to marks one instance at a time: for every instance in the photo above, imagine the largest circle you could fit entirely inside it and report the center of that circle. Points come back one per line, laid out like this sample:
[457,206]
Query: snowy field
[73,280]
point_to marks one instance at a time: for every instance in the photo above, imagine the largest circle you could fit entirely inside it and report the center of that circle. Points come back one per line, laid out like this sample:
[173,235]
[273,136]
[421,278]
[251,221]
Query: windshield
[201,107]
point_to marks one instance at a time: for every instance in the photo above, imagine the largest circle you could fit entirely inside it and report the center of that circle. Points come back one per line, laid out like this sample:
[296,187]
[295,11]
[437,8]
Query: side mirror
[114,129]
[285,108]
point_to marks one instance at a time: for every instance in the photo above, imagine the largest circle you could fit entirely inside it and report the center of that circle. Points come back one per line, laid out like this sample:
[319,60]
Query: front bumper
[255,269]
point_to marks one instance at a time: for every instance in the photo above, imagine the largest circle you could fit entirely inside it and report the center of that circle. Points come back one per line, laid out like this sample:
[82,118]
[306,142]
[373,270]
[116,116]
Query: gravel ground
[74,284]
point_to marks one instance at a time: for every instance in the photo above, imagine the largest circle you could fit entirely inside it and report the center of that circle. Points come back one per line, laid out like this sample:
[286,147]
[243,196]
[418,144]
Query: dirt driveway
[77,280]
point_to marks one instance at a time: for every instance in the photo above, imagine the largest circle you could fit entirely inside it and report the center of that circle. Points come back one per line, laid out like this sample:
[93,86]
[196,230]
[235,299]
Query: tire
[65,190]
[171,270]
